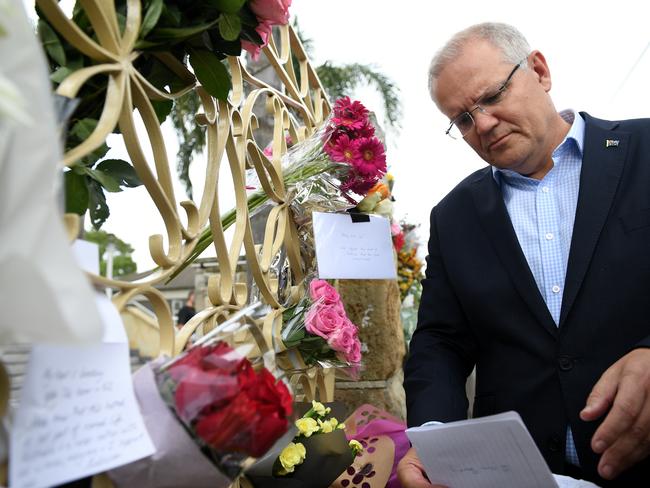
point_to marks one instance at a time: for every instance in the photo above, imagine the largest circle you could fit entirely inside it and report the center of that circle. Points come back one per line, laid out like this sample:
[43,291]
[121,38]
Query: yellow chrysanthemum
[319,408]
[307,426]
[291,456]
[355,446]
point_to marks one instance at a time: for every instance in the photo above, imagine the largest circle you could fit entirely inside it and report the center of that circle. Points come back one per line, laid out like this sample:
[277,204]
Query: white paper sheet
[44,296]
[86,254]
[487,451]
[114,330]
[77,416]
[353,250]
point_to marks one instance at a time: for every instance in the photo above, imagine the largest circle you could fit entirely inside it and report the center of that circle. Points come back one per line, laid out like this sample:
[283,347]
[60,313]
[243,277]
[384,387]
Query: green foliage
[341,80]
[123,264]
[211,72]
[191,136]
[86,181]
[208,31]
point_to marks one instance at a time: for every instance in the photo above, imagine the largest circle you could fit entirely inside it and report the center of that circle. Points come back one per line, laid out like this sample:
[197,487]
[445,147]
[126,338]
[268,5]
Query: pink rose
[323,320]
[322,290]
[346,341]
[276,12]
[354,353]
[264,30]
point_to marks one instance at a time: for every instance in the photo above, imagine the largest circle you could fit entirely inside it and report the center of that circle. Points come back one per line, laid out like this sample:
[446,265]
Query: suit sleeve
[443,348]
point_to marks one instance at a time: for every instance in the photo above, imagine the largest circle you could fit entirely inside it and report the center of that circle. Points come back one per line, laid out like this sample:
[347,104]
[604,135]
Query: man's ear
[537,64]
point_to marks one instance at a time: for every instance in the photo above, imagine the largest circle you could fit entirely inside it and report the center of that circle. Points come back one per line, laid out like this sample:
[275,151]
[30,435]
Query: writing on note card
[353,250]
[77,416]
[455,454]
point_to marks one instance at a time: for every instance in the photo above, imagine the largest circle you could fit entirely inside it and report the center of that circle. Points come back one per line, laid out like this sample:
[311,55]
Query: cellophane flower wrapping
[233,412]
[320,329]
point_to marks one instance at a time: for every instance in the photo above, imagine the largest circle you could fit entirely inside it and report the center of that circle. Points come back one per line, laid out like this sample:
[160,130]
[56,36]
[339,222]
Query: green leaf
[151,17]
[212,74]
[60,74]
[162,108]
[178,34]
[104,179]
[76,192]
[229,26]
[83,128]
[98,208]
[121,171]
[227,6]
[220,45]
[51,42]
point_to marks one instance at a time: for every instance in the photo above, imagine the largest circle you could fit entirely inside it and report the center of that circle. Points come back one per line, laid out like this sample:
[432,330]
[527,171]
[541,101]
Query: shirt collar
[576,133]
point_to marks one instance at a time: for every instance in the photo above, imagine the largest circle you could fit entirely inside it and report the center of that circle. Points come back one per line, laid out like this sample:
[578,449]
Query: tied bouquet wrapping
[315,457]
[210,413]
[319,328]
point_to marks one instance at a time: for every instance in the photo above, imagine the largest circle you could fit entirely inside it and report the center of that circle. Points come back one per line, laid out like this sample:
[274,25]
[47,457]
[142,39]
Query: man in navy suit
[538,271]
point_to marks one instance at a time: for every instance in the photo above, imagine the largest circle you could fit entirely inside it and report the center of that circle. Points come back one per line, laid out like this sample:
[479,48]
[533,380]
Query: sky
[591,48]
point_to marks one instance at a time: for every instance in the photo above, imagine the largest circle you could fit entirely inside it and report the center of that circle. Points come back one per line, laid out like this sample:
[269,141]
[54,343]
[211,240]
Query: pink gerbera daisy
[372,159]
[367,130]
[358,184]
[352,115]
[344,150]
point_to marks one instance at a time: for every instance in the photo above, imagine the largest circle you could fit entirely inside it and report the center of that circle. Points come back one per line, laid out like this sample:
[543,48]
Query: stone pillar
[374,305]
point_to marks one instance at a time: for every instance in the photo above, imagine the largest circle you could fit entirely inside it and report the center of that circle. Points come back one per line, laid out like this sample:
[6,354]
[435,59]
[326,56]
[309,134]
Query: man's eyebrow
[493,88]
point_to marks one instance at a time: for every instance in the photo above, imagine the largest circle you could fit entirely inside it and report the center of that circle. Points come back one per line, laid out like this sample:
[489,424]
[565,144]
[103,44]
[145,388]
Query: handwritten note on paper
[353,250]
[487,451]
[77,416]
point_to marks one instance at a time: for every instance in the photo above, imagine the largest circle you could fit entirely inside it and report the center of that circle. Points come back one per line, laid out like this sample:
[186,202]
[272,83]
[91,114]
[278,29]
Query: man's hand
[623,438]
[410,472]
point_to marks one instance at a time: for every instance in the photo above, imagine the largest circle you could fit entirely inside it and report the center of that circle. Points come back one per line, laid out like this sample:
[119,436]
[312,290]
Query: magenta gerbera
[367,130]
[352,115]
[372,159]
[344,150]
[360,185]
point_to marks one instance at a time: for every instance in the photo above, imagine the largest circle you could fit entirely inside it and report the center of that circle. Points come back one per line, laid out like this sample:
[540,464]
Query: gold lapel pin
[611,142]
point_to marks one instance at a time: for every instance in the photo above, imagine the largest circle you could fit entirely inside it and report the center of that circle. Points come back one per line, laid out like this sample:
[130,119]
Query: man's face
[520,131]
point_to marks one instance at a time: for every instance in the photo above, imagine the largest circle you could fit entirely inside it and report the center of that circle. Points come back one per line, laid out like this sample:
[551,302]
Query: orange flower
[381,188]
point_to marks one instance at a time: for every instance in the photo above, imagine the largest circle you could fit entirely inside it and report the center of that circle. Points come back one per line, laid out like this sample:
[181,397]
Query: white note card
[77,416]
[488,451]
[353,250]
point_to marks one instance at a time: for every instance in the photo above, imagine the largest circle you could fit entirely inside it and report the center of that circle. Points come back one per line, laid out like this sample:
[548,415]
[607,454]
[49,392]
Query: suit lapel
[602,165]
[496,222]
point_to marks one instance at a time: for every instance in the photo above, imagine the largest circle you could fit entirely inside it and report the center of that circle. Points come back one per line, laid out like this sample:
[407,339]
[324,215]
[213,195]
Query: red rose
[230,406]
[252,421]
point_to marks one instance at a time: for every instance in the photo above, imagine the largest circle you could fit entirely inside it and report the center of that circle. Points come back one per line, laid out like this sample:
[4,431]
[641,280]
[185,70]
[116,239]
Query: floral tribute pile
[330,171]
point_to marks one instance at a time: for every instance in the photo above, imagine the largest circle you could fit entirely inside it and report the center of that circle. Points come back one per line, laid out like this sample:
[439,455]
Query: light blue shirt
[542,213]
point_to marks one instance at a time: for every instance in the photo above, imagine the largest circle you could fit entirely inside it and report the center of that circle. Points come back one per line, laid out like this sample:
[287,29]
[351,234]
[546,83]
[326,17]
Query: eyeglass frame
[477,105]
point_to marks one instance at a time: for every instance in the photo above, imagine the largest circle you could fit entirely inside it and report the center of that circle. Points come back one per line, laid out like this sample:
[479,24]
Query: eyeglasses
[461,125]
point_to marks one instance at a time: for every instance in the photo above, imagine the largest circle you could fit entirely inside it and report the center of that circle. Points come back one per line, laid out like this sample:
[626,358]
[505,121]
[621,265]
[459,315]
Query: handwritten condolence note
[77,416]
[353,250]
[487,451]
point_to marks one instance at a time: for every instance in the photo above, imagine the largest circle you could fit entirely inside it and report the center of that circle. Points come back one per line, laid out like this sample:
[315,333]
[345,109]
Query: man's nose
[484,121]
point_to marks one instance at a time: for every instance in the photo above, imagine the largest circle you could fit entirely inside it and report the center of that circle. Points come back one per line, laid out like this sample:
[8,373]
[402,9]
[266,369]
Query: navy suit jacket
[480,304]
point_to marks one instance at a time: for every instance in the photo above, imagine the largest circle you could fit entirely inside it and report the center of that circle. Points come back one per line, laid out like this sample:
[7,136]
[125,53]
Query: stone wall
[374,305]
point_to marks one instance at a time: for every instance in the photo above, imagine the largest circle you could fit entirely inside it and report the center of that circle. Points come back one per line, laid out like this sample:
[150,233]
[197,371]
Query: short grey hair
[509,40]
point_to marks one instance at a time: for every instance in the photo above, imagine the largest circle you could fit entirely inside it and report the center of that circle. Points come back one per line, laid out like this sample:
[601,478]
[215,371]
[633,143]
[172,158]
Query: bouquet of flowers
[324,172]
[315,457]
[320,329]
[209,412]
